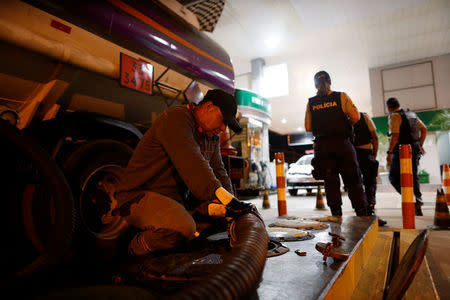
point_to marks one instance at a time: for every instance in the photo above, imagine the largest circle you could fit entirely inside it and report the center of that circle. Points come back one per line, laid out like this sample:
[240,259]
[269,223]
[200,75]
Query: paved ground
[389,208]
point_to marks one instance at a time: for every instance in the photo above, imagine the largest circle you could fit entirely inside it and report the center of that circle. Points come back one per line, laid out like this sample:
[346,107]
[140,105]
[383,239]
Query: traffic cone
[446,182]
[266,203]
[441,215]
[319,199]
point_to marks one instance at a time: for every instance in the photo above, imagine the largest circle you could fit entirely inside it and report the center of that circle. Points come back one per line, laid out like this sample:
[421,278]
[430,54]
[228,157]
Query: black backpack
[409,130]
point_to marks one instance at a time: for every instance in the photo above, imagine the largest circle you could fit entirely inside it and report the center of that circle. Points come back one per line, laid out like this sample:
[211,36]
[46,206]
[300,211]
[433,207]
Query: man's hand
[423,150]
[237,208]
[389,159]
[234,208]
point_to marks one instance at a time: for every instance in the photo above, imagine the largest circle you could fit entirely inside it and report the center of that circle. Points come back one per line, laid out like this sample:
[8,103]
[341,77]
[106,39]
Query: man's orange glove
[226,205]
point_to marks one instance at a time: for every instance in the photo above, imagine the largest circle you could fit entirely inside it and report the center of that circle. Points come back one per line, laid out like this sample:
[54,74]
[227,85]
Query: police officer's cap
[320,77]
[392,103]
[227,105]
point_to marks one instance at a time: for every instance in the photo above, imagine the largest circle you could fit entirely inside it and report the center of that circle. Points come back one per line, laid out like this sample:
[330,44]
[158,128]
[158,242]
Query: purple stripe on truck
[148,37]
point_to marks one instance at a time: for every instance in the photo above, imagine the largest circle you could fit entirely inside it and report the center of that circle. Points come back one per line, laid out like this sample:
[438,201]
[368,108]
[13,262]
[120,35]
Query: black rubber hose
[241,274]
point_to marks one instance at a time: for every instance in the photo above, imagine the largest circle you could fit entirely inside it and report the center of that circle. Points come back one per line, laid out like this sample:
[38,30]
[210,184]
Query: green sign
[252,100]
[434,120]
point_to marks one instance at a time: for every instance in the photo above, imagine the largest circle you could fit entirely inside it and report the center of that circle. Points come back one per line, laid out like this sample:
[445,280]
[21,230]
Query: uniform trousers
[394,170]
[369,171]
[336,155]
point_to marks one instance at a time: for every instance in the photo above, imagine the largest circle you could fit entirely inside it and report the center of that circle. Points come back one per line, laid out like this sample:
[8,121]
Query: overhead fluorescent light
[272,42]
[275,81]
[283,120]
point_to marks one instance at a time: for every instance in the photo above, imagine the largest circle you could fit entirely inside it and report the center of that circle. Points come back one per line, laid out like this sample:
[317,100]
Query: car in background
[299,176]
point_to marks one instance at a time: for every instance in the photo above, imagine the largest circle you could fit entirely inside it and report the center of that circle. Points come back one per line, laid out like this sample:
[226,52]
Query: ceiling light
[272,42]
[283,120]
[300,129]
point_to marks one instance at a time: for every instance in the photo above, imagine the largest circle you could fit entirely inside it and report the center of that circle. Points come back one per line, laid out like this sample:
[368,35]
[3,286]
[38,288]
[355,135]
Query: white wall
[430,161]
[443,145]
[441,75]
[243,82]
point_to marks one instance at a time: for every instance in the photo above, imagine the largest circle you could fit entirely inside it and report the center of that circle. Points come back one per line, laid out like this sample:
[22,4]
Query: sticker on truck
[136,74]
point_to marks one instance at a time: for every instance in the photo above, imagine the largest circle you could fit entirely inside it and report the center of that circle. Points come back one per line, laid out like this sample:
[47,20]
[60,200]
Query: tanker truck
[80,83]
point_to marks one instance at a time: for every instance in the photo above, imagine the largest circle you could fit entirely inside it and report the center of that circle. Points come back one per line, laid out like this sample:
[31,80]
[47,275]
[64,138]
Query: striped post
[281,183]
[446,182]
[407,184]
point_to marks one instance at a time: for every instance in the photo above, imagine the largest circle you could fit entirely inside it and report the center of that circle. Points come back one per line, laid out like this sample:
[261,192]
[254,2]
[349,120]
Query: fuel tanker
[80,82]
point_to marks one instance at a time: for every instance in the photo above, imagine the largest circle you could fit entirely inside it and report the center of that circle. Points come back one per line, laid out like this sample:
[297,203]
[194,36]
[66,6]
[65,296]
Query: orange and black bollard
[266,202]
[406,180]
[441,214]
[446,182]
[281,183]
[319,199]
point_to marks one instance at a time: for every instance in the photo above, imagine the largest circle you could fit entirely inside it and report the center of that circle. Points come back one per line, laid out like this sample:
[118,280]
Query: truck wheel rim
[95,189]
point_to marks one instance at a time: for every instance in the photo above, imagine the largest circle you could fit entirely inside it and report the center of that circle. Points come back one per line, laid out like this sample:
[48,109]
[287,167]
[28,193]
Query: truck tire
[89,169]
[39,213]
[293,192]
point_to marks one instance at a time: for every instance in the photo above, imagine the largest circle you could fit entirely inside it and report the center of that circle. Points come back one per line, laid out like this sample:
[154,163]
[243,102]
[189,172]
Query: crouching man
[179,154]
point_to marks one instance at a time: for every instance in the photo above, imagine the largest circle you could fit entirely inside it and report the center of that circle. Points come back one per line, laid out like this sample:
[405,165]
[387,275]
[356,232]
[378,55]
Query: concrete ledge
[346,281]
[290,276]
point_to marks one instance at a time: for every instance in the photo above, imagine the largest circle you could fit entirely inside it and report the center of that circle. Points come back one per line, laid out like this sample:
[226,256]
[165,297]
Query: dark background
[293,145]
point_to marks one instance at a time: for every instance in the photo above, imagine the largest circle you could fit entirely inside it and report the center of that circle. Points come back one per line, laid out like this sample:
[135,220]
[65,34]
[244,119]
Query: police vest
[327,116]
[409,129]
[362,132]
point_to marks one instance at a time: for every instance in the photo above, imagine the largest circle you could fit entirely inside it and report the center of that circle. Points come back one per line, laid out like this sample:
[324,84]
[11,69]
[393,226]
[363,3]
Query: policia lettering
[324,105]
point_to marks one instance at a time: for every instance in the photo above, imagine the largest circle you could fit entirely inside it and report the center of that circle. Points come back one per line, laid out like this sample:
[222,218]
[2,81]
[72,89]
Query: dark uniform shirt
[347,107]
[174,156]
[363,129]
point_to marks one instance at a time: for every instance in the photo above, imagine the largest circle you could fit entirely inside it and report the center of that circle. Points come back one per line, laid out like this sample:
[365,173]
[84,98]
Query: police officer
[329,116]
[366,146]
[405,128]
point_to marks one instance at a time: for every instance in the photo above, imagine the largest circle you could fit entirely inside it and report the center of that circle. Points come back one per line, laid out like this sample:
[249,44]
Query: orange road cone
[319,199]
[266,203]
[446,182]
[441,215]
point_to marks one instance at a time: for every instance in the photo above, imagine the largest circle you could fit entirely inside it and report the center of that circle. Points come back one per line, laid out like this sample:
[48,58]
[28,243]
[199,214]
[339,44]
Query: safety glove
[227,205]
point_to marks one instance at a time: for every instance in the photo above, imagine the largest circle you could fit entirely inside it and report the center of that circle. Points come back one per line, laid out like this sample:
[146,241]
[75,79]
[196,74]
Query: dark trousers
[336,155]
[369,171]
[394,170]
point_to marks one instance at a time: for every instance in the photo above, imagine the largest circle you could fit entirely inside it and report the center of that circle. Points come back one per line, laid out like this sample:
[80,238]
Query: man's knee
[186,226]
